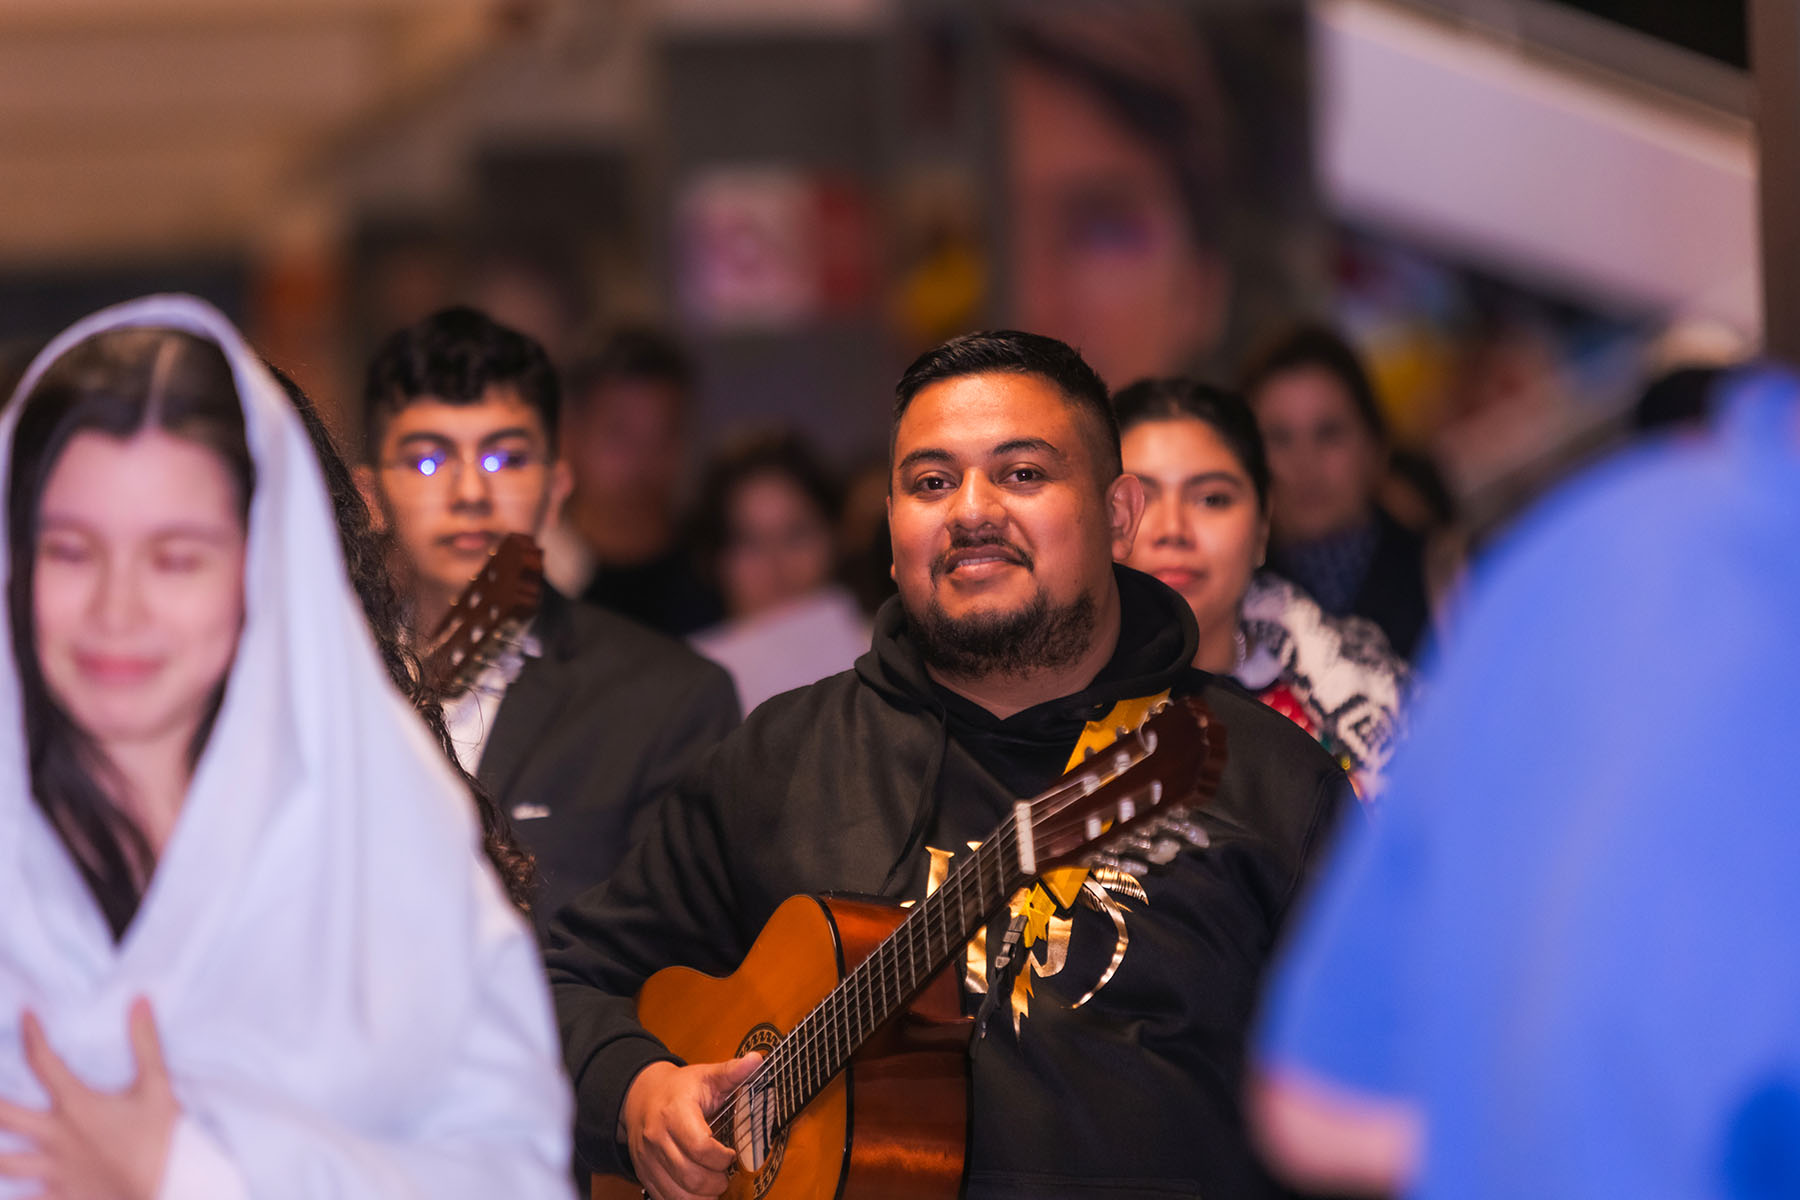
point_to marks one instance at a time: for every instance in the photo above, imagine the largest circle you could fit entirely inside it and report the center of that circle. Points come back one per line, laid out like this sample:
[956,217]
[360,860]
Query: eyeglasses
[500,466]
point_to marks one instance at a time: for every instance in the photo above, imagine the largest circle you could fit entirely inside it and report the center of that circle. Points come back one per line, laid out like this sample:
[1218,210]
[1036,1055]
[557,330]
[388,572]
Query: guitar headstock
[1175,758]
[504,595]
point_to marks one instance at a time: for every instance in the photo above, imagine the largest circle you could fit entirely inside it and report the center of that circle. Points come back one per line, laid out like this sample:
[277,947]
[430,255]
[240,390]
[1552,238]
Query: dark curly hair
[366,556]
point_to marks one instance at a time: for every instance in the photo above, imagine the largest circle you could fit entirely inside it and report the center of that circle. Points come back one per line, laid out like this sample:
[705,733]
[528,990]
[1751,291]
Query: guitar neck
[446,677]
[491,611]
[1177,756]
[933,933]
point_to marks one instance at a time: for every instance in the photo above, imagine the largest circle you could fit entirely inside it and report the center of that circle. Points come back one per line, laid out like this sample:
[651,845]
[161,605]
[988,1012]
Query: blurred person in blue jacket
[1563,963]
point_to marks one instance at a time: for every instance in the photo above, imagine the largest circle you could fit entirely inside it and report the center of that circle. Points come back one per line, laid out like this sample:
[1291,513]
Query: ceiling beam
[130,16]
[321,73]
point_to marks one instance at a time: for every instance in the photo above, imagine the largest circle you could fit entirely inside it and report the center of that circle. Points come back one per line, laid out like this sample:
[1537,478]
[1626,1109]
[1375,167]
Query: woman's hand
[92,1145]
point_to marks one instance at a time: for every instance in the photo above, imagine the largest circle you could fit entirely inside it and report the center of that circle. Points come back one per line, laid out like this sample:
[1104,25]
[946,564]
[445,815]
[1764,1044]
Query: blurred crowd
[769,656]
[761,532]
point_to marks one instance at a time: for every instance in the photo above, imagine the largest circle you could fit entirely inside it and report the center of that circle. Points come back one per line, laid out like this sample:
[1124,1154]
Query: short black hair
[1320,348]
[1226,413]
[455,355]
[1011,352]
[631,354]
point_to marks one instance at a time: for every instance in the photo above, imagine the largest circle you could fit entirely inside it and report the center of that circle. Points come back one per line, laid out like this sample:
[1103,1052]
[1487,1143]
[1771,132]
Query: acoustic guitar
[492,611]
[861,1093]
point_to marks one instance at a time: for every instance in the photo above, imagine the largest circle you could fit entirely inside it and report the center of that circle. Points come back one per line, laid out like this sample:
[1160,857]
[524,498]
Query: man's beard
[1033,638]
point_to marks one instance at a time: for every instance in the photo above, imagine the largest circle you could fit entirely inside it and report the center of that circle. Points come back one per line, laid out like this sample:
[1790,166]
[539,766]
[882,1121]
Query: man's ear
[364,475]
[892,573]
[562,483]
[1125,508]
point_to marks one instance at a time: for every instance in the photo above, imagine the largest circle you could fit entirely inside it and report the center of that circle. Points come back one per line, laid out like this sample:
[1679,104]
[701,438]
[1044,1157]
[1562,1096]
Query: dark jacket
[842,786]
[590,734]
[665,593]
[1391,591]
[1394,594]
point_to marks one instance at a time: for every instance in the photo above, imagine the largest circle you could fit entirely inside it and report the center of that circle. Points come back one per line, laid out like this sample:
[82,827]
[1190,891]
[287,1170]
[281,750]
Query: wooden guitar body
[893,1124]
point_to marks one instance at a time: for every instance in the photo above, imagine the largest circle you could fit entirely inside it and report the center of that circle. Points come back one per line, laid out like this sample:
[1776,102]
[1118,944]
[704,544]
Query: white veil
[347,1003]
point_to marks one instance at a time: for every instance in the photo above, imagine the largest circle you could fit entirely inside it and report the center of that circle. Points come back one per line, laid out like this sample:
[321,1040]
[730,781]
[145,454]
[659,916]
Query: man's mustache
[961,544]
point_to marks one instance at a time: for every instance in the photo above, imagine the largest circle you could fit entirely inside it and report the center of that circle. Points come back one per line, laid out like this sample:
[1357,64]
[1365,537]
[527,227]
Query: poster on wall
[1155,179]
[770,248]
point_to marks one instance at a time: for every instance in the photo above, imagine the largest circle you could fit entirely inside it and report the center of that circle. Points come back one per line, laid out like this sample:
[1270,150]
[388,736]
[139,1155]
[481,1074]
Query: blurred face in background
[1203,530]
[1325,463]
[778,545]
[625,440]
[1102,247]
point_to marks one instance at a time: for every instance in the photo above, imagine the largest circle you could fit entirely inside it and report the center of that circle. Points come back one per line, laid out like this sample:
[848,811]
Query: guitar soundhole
[758,1150]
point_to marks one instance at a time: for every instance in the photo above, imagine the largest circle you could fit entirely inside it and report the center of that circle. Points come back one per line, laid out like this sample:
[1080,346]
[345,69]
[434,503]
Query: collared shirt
[470,714]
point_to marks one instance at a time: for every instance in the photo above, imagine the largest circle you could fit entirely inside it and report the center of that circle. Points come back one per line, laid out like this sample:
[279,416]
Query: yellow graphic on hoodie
[1048,904]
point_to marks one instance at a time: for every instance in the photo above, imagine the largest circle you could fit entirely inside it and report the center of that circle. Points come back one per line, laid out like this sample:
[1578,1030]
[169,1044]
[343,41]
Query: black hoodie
[843,785]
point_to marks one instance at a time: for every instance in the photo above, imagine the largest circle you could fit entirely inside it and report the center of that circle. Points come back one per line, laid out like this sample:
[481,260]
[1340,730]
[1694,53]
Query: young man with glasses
[578,727]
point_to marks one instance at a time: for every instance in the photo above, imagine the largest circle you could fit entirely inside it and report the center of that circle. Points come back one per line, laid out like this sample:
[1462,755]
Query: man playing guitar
[1110,1061]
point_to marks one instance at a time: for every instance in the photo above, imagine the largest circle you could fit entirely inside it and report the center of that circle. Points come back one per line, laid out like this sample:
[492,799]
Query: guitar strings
[823,1035]
[824,1027]
[809,1044]
[507,637]
[859,994]
[795,1069]
[804,1060]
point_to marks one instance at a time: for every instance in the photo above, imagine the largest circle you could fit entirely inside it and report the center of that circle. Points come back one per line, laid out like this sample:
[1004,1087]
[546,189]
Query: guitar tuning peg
[1120,731]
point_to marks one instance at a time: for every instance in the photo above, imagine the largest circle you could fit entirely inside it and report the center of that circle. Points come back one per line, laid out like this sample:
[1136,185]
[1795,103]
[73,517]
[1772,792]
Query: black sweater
[841,786]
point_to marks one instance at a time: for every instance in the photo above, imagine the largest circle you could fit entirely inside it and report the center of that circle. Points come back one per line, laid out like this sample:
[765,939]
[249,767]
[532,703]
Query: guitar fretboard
[933,933]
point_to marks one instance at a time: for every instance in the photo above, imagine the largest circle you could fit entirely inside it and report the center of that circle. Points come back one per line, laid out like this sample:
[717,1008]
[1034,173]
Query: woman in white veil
[248,944]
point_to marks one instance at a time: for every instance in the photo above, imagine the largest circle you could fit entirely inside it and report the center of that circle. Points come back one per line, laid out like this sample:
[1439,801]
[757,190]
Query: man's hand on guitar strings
[665,1123]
